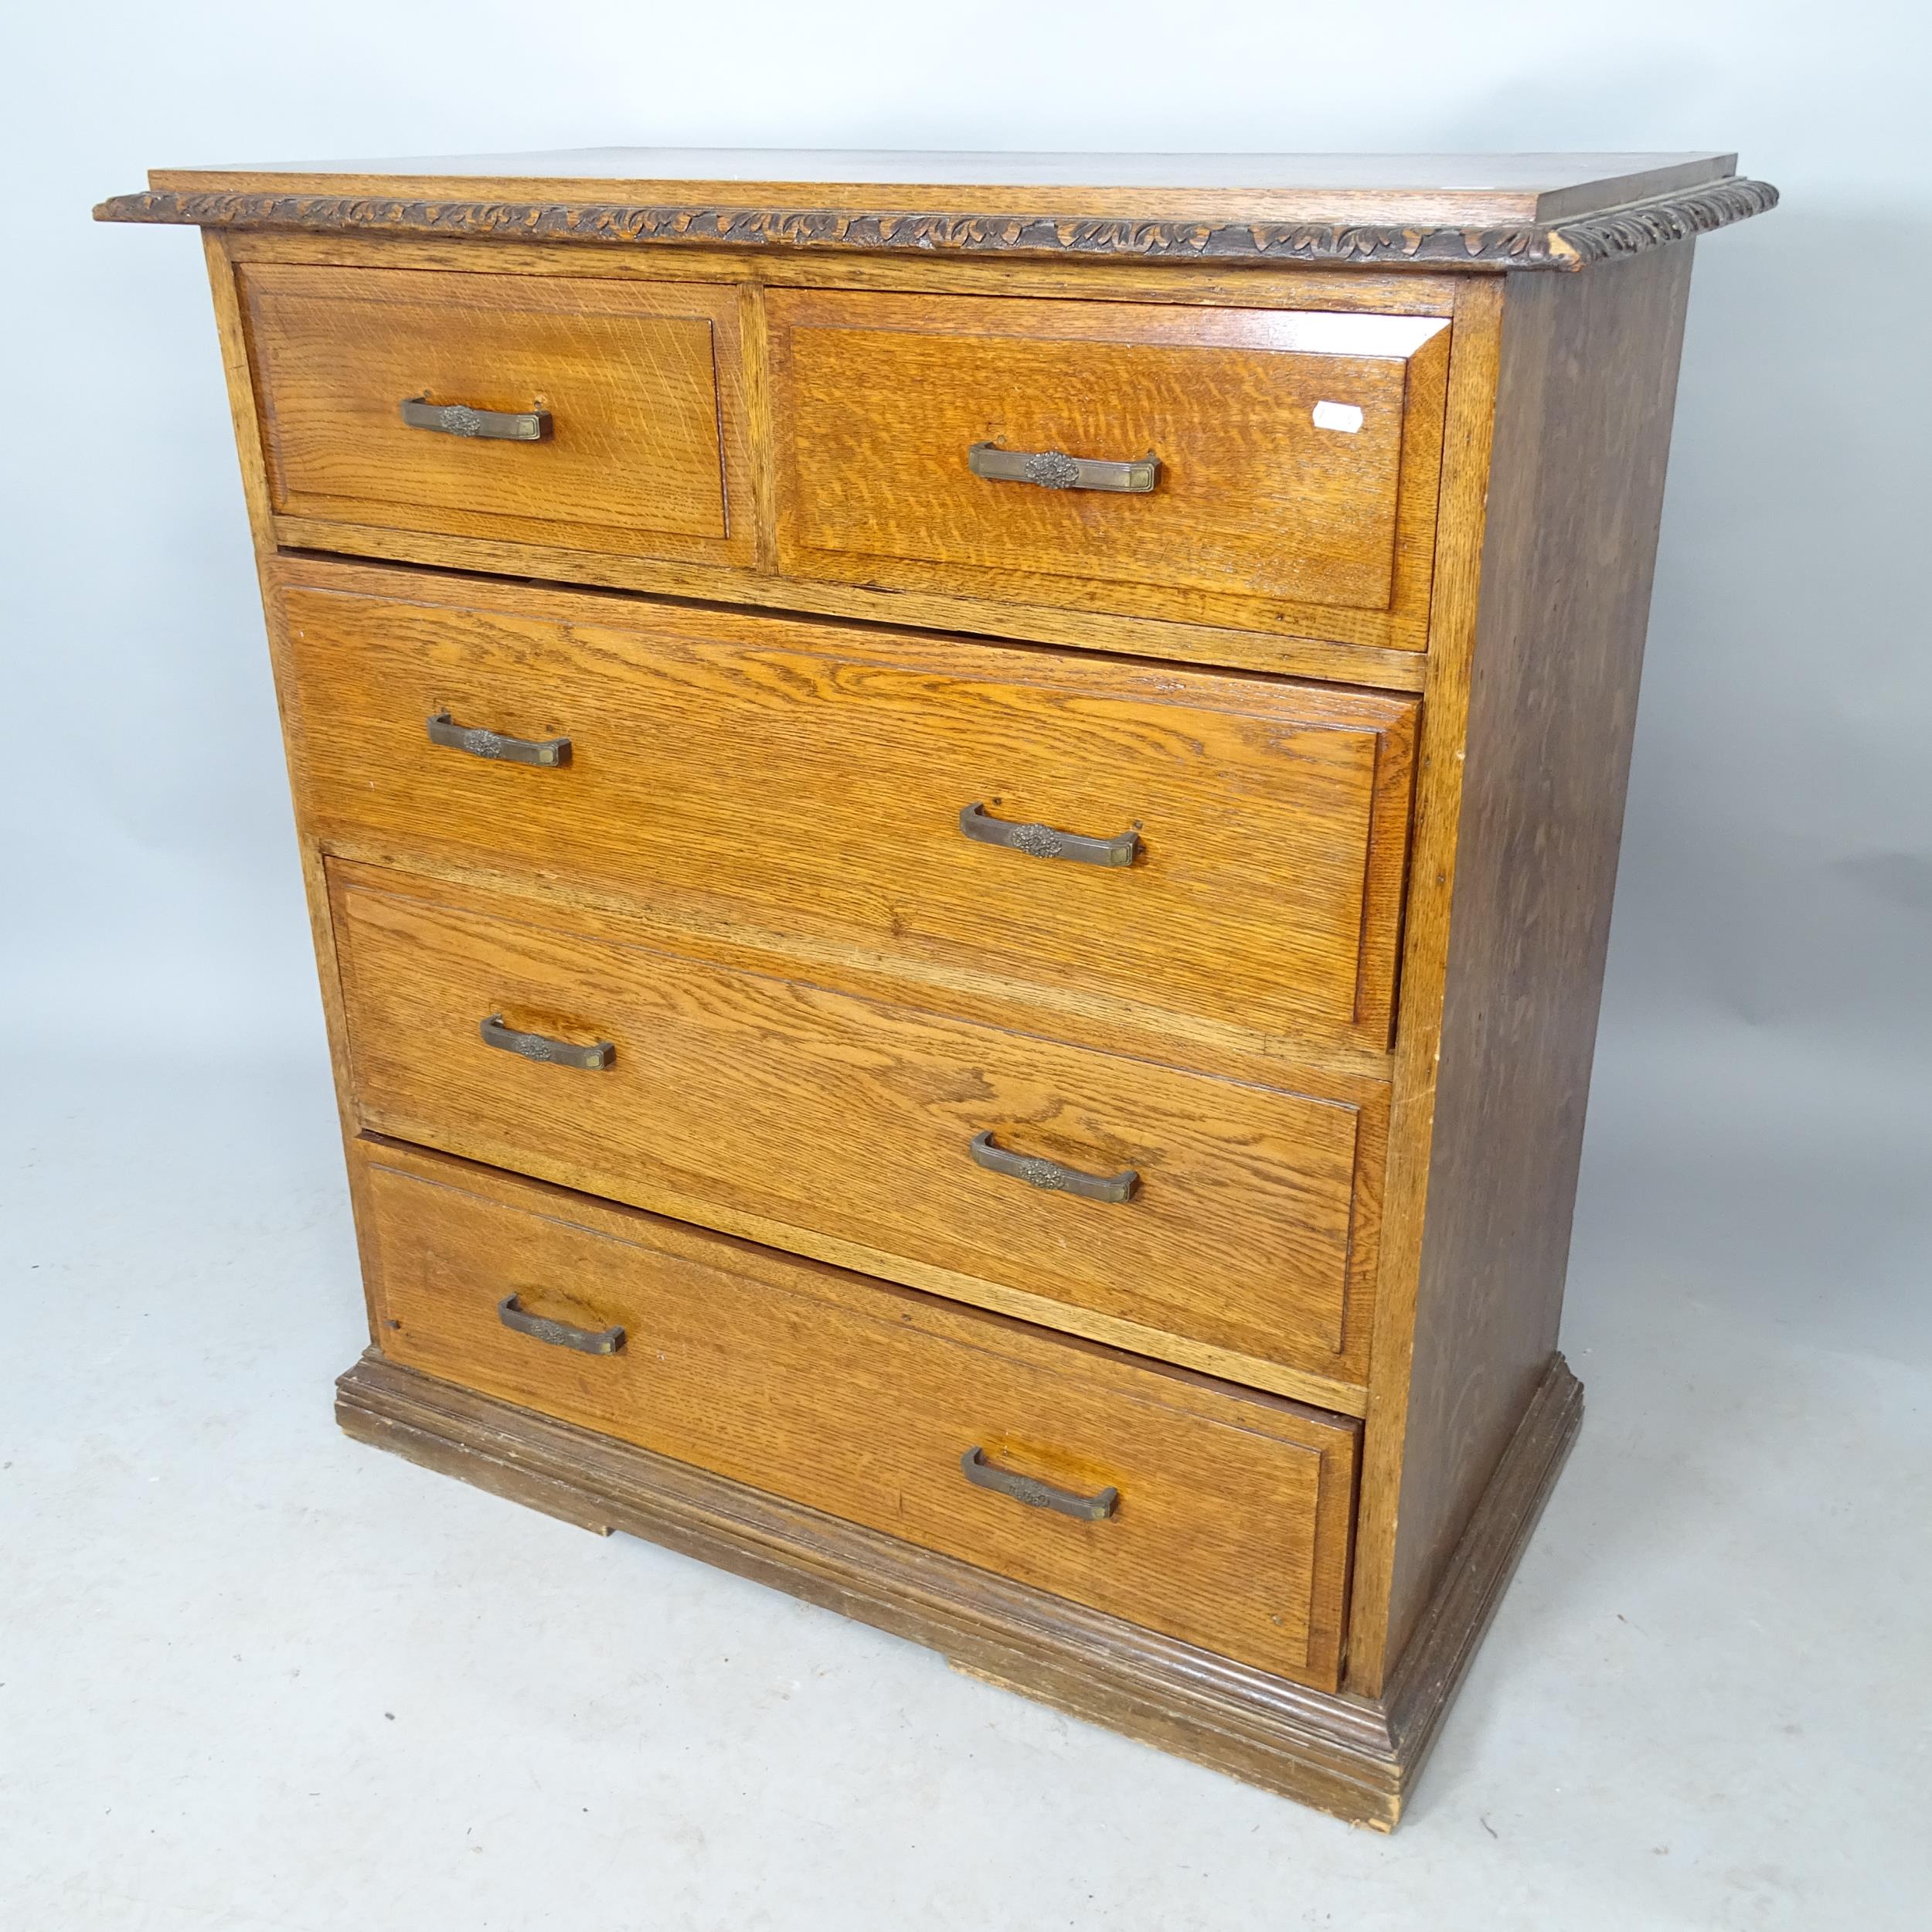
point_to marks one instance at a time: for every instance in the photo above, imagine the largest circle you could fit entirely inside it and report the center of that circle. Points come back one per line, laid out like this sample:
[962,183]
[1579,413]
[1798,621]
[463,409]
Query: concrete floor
[253,1675]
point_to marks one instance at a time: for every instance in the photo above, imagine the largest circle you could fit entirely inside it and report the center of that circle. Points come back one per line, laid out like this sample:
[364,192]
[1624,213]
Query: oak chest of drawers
[960,814]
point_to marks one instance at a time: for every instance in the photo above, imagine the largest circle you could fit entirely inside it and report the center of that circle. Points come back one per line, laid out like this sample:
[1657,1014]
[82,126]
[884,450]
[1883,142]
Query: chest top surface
[1471,211]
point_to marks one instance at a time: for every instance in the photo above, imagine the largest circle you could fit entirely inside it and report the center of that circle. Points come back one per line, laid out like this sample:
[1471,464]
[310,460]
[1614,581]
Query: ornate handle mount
[540,1046]
[458,419]
[1034,1493]
[480,743]
[1042,841]
[1050,1175]
[559,1335]
[1055,469]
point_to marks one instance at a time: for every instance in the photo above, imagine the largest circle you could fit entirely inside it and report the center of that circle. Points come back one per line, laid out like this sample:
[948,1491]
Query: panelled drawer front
[635,385]
[1228,1525]
[844,1127]
[1297,453]
[745,774]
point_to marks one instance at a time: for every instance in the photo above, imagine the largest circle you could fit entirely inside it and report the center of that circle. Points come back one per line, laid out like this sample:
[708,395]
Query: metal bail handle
[458,419]
[1043,842]
[1034,1493]
[1055,469]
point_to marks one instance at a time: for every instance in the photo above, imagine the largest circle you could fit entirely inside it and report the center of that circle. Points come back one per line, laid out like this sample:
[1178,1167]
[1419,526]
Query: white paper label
[1337,416]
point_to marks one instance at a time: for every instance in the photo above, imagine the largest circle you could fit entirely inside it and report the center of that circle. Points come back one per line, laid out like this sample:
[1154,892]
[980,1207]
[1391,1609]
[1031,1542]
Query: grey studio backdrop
[1755,1180]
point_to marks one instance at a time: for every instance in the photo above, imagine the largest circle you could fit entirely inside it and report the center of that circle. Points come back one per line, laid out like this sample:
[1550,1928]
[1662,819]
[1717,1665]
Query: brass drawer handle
[1042,841]
[1055,469]
[1051,1175]
[480,743]
[1036,1494]
[559,1335]
[458,419]
[540,1046]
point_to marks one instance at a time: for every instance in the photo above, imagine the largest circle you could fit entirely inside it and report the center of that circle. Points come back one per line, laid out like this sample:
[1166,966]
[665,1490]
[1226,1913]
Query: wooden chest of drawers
[959,815]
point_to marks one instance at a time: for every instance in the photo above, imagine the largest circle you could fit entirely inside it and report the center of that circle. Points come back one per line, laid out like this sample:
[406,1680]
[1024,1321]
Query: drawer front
[1264,821]
[642,447]
[847,1128]
[1296,452]
[1228,1523]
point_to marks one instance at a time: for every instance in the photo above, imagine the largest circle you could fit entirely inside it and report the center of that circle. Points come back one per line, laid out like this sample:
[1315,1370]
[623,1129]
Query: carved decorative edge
[1618,232]
[1341,1754]
[1564,245]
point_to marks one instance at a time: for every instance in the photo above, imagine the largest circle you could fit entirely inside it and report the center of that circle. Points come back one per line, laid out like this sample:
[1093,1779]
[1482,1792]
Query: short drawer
[1213,1514]
[1201,848]
[1247,467]
[1202,1219]
[595,415]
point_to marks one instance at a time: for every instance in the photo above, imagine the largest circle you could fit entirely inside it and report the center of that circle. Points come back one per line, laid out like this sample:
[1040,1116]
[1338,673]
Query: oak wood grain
[1231,1522]
[1352,1757]
[1435,821]
[231,332]
[1271,816]
[1360,654]
[1295,187]
[1351,657]
[801,1115]
[1268,285]
[1191,212]
[1582,412]
[806,1034]
[1261,516]
[646,453]
[1330,1067]
[1444,1639]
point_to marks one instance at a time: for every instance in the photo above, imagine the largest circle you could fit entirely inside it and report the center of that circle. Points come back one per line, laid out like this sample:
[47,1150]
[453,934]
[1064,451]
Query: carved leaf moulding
[1607,237]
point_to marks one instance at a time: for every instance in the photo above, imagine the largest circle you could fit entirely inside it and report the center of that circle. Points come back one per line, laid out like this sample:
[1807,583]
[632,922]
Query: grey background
[1748,1299]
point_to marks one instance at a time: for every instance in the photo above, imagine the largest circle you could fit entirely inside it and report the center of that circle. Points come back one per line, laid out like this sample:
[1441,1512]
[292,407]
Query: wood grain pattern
[1271,815]
[797,1115]
[1407,188]
[1231,1529]
[1355,1758]
[1568,245]
[1558,432]
[231,330]
[1443,1641]
[809,1025]
[1366,291]
[1352,646]
[1261,517]
[1351,655]
[1435,821]
[1583,410]
[641,383]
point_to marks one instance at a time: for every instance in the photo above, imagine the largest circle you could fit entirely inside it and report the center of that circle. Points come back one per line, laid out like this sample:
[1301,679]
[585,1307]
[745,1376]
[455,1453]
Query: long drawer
[1210,850]
[1212,1514]
[1165,1209]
